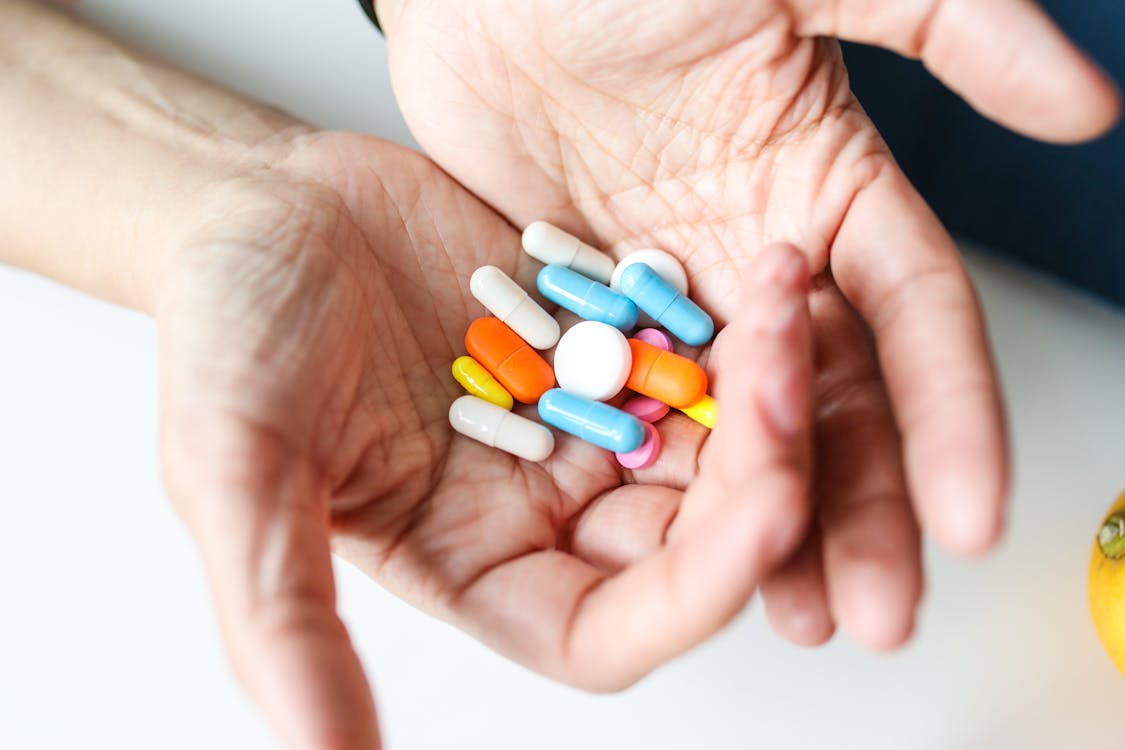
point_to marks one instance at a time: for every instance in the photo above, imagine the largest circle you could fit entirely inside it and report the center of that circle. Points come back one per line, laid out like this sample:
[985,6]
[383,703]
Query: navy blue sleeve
[1060,209]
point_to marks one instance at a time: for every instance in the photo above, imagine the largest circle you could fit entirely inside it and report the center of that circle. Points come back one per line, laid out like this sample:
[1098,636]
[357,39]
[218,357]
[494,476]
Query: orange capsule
[664,376]
[510,359]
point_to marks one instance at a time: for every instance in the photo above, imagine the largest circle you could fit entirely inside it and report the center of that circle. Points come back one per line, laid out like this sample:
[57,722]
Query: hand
[713,128]
[307,328]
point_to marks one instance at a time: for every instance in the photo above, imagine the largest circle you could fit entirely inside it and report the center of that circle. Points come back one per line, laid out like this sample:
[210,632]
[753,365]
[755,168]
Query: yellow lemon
[1106,583]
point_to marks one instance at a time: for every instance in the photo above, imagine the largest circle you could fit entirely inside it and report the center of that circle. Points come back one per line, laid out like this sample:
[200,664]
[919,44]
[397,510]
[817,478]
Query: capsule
[551,245]
[705,411]
[508,301]
[479,382]
[664,263]
[495,427]
[517,366]
[685,319]
[665,376]
[587,298]
[592,421]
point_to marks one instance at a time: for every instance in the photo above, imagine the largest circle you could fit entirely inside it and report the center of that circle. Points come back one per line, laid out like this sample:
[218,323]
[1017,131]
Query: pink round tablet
[646,409]
[656,337]
[644,456]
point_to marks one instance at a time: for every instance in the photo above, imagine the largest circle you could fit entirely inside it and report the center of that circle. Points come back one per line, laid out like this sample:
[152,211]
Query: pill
[593,360]
[657,338]
[682,317]
[498,428]
[586,298]
[508,301]
[705,411]
[665,376]
[517,366]
[549,244]
[478,381]
[646,409]
[646,455]
[592,421]
[665,265]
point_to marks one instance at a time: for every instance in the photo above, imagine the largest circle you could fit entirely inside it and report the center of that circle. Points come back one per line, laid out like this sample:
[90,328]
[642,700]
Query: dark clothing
[1060,209]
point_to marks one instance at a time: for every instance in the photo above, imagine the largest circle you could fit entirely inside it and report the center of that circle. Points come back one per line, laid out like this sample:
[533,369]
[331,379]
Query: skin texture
[712,129]
[306,335]
[310,290]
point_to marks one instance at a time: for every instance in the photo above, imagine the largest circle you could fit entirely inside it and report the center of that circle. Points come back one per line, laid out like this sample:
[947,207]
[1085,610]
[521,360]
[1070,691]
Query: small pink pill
[644,456]
[656,337]
[646,409]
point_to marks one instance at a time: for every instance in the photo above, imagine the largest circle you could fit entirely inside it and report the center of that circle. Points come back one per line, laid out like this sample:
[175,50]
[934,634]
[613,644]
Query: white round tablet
[593,360]
[665,265]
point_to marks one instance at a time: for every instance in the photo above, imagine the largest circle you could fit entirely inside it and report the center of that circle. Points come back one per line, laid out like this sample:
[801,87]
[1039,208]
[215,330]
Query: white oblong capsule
[549,244]
[499,428]
[507,300]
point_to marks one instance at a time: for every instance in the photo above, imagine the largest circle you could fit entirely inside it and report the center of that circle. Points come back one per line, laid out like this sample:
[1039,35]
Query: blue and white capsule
[664,303]
[592,421]
[586,298]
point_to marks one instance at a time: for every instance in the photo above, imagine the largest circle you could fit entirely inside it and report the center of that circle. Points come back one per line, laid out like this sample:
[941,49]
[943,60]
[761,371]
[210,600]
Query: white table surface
[106,638]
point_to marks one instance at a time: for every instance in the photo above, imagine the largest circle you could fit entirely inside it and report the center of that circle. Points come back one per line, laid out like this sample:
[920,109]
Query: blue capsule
[593,421]
[664,303]
[586,298]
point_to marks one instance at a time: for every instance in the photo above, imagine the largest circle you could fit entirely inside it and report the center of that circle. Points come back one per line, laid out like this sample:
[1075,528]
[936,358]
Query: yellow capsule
[704,411]
[479,382]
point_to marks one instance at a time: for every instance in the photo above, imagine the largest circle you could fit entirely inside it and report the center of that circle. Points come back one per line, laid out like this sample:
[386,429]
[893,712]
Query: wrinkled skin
[308,324]
[714,128]
[306,334]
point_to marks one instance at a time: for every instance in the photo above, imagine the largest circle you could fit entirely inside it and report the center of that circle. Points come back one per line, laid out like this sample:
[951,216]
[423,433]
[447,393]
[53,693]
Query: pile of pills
[594,360]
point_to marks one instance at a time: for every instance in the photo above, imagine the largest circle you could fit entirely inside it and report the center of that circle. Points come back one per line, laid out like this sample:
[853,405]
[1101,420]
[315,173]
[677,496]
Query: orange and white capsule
[517,366]
[665,376]
[551,245]
[498,428]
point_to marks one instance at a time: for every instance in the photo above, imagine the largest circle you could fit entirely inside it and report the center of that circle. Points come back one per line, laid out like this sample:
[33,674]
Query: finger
[900,270]
[1005,57]
[260,523]
[795,597]
[682,441]
[624,526]
[872,549]
[749,506]
[606,632]
[765,361]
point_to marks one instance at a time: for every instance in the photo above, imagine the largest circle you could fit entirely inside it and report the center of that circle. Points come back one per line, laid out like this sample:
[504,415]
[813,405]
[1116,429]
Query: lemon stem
[1111,537]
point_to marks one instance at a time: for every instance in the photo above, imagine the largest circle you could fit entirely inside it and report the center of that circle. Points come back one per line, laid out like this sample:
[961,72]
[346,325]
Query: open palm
[306,335]
[714,128]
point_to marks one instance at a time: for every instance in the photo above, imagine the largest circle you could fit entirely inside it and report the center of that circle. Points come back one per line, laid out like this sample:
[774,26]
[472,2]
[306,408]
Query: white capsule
[499,428]
[593,360]
[665,265]
[549,244]
[508,301]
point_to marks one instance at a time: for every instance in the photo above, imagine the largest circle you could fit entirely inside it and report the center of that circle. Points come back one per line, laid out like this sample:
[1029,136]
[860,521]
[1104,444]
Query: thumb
[260,522]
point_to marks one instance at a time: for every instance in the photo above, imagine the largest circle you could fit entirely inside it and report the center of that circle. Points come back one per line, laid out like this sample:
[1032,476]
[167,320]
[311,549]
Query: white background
[106,639]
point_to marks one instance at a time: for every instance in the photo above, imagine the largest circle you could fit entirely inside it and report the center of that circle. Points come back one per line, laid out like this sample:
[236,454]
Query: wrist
[111,155]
